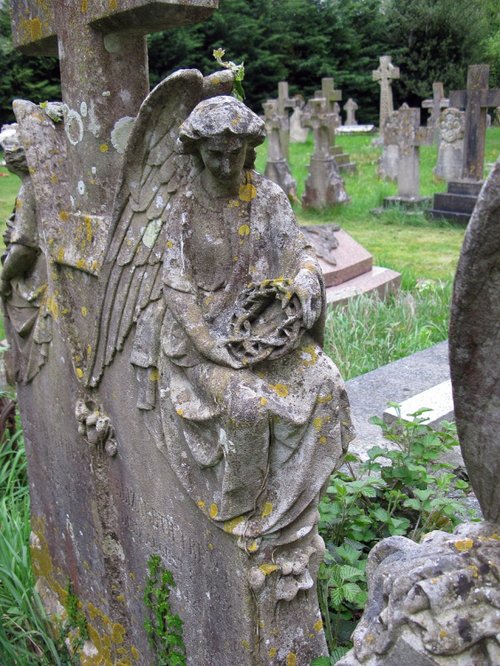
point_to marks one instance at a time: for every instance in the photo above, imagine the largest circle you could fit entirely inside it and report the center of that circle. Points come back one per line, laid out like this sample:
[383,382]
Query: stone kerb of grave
[173,440]
[436,603]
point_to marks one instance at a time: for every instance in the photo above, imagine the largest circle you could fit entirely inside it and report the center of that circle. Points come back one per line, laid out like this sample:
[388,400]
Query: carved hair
[219,116]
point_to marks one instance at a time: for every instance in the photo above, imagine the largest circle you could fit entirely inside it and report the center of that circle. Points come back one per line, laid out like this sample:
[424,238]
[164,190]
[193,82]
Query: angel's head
[224,133]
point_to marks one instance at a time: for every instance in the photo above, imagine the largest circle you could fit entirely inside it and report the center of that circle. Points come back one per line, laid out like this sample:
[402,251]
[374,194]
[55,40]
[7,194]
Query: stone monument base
[378,280]
[457,203]
[408,204]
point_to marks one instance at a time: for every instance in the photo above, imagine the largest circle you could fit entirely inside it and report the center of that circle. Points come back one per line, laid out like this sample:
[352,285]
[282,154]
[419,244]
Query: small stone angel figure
[23,280]
[228,331]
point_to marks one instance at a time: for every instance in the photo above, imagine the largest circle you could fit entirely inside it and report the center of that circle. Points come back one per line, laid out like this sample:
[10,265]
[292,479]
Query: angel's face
[224,157]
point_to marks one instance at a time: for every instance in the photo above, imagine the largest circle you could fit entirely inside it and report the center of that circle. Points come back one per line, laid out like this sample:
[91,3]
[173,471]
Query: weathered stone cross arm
[35,27]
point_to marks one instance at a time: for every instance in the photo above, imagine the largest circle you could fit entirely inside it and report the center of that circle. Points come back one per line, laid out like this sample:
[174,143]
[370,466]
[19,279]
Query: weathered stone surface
[324,185]
[285,102]
[403,130]
[385,74]
[451,146]
[350,107]
[474,344]
[195,406]
[298,133]
[277,168]
[432,604]
[435,105]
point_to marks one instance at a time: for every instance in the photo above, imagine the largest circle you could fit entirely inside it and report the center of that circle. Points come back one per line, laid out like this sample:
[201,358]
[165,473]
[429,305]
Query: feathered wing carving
[153,171]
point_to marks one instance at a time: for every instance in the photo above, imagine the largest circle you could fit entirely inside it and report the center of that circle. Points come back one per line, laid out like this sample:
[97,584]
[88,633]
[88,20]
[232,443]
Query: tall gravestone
[324,184]
[385,74]
[451,145]
[435,105]
[298,133]
[403,130]
[350,107]
[435,603]
[166,270]
[458,202]
[285,102]
[277,168]
[332,98]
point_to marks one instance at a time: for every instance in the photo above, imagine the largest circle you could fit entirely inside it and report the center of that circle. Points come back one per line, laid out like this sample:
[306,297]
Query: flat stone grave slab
[438,399]
[383,281]
[356,129]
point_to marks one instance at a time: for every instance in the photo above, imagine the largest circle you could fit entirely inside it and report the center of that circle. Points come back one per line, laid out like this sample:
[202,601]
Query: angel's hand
[306,286]
[221,355]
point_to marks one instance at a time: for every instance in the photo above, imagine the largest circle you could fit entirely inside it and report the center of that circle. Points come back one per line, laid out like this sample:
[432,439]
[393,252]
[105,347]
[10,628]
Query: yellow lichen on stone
[247,192]
[268,568]
[309,356]
[324,399]
[263,402]
[84,311]
[84,6]
[317,423]
[64,215]
[272,652]
[79,373]
[213,511]
[231,525]
[318,625]
[170,244]
[104,147]
[253,547]
[245,644]
[60,255]
[443,633]
[154,375]
[464,545]
[201,504]
[54,179]
[233,203]
[118,634]
[291,659]
[267,510]
[322,439]
[244,230]
[81,264]
[32,29]
[88,228]
[113,4]
[280,389]
[179,411]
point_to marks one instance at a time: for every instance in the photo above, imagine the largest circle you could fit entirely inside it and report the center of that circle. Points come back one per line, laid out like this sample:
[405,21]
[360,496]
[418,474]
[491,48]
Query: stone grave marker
[350,107]
[435,106]
[285,102]
[298,133]
[324,185]
[435,602]
[332,97]
[141,434]
[458,202]
[451,144]
[385,74]
[403,129]
[277,168]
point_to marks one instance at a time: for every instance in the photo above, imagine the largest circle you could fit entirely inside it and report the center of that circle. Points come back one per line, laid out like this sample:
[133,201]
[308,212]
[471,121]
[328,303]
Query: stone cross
[322,123]
[284,102]
[435,105]
[332,97]
[350,107]
[475,100]
[404,130]
[385,74]
[104,76]
[276,165]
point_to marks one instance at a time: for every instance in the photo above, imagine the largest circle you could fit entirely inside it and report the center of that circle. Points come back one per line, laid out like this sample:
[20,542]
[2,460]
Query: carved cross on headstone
[403,129]
[350,107]
[435,105]
[385,74]
[322,123]
[475,100]
[284,102]
[104,76]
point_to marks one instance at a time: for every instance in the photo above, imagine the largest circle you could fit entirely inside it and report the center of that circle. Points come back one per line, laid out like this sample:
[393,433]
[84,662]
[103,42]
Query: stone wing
[153,171]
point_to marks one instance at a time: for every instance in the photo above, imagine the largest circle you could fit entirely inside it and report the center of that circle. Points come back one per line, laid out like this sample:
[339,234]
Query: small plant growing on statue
[238,70]
[164,629]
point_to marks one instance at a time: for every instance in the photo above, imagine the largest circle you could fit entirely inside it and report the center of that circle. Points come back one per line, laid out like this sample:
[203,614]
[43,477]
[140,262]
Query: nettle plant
[408,490]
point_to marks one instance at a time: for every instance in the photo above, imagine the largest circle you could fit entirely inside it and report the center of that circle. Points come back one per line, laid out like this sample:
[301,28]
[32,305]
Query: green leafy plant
[164,629]
[405,490]
[238,71]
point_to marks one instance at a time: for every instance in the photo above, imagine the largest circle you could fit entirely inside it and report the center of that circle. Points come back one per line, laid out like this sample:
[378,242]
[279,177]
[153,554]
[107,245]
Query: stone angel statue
[208,271]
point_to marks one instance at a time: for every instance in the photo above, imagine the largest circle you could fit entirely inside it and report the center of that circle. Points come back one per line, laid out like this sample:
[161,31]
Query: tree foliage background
[300,41]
